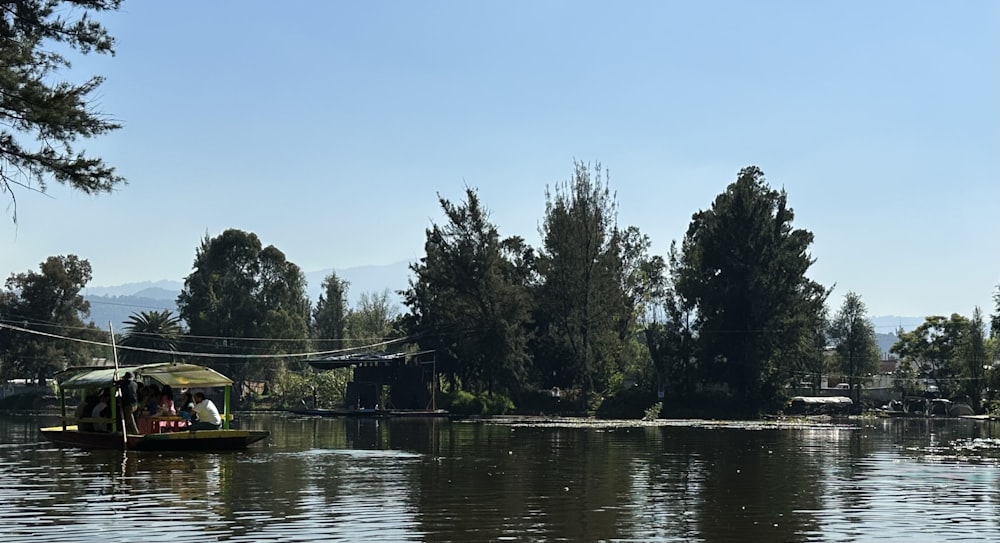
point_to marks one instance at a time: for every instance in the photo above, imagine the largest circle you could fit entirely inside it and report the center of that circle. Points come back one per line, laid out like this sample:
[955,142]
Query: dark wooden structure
[387,381]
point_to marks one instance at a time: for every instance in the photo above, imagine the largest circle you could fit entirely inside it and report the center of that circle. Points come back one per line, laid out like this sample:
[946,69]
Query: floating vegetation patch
[985,449]
[569,422]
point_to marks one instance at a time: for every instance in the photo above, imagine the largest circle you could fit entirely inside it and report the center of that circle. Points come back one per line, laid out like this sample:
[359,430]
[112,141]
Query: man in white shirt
[208,414]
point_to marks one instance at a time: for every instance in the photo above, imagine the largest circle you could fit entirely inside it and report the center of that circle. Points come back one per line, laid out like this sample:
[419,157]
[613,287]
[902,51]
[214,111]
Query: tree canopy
[42,116]
[329,318]
[579,297]
[50,304]
[374,320]
[853,337]
[243,298]
[152,330]
[742,270]
[932,348]
[468,299]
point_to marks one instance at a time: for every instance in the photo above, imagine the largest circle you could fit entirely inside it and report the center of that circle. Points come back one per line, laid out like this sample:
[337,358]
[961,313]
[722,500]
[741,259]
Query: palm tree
[158,330]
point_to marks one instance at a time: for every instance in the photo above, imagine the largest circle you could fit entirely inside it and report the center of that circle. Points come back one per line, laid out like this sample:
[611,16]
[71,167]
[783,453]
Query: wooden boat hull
[200,440]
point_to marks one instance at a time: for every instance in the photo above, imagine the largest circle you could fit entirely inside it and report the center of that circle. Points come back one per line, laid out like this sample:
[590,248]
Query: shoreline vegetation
[656,415]
[591,323]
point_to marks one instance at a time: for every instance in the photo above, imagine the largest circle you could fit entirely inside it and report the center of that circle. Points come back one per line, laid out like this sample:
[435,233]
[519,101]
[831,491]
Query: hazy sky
[330,128]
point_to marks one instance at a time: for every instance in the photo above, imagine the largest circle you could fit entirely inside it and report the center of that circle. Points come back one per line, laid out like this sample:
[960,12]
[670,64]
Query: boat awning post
[225,407]
[114,414]
[62,406]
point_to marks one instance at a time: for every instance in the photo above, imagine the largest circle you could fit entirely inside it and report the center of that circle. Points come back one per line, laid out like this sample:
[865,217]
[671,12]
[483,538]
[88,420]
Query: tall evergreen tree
[36,106]
[579,296]
[995,318]
[468,302]
[743,271]
[853,337]
[244,299]
[329,318]
[671,341]
[973,357]
[596,281]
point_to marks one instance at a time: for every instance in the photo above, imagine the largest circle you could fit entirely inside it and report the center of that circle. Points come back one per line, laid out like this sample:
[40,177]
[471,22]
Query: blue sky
[329,129]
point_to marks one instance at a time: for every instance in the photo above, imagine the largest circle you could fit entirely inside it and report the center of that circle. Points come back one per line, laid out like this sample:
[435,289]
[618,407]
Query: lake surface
[330,479]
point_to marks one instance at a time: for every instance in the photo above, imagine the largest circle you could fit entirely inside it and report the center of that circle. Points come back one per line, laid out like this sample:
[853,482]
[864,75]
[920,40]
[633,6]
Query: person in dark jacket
[130,401]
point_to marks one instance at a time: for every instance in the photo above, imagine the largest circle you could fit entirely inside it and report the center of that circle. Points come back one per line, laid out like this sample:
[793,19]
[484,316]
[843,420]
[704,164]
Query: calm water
[434,480]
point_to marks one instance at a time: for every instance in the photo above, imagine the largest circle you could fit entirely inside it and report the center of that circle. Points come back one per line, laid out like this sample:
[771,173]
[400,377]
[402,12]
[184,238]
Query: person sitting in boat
[84,409]
[165,406]
[149,400]
[102,410]
[187,405]
[207,413]
[152,401]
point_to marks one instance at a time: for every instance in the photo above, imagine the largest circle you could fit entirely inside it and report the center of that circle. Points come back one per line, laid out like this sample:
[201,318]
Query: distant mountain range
[115,304]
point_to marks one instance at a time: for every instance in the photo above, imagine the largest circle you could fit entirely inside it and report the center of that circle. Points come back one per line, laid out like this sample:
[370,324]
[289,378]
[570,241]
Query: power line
[208,355]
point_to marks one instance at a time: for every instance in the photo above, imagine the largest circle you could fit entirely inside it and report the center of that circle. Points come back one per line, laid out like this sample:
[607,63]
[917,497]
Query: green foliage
[244,299]
[741,271]
[672,342]
[578,298]
[853,337]
[995,318]
[972,358]
[932,348]
[653,412]
[461,402]
[47,303]
[373,321]
[314,389]
[153,330]
[36,106]
[469,301]
[596,282]
[329,318]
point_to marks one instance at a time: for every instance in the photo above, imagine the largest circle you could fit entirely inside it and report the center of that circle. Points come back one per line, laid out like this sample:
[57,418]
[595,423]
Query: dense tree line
[728,317]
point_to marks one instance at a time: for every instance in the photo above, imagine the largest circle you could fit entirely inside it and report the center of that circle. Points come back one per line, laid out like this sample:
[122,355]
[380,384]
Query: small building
[387,381]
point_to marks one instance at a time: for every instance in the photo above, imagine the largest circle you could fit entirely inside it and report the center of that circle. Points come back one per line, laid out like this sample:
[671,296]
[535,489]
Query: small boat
[177,375]
[819,405]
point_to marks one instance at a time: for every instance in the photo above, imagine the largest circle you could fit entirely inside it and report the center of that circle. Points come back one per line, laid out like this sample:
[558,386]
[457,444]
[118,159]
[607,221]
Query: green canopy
[177,375]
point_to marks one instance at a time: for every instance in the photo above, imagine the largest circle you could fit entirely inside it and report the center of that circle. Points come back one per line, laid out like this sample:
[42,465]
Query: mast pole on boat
[62,405]
[225,406]
[114,397]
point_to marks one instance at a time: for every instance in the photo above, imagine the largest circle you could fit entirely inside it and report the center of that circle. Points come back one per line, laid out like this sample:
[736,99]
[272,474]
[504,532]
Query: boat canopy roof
[365,359]
[177,375]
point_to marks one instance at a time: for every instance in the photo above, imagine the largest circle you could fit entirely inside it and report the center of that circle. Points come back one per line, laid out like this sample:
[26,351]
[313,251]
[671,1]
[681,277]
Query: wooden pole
[114,397]
[62,405]
[225,406]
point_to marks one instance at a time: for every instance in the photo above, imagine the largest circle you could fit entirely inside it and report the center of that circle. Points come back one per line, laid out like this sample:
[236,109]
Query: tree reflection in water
[439,480]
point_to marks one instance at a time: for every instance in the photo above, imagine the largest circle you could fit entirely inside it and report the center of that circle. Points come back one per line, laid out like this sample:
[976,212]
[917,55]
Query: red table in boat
[168,423]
